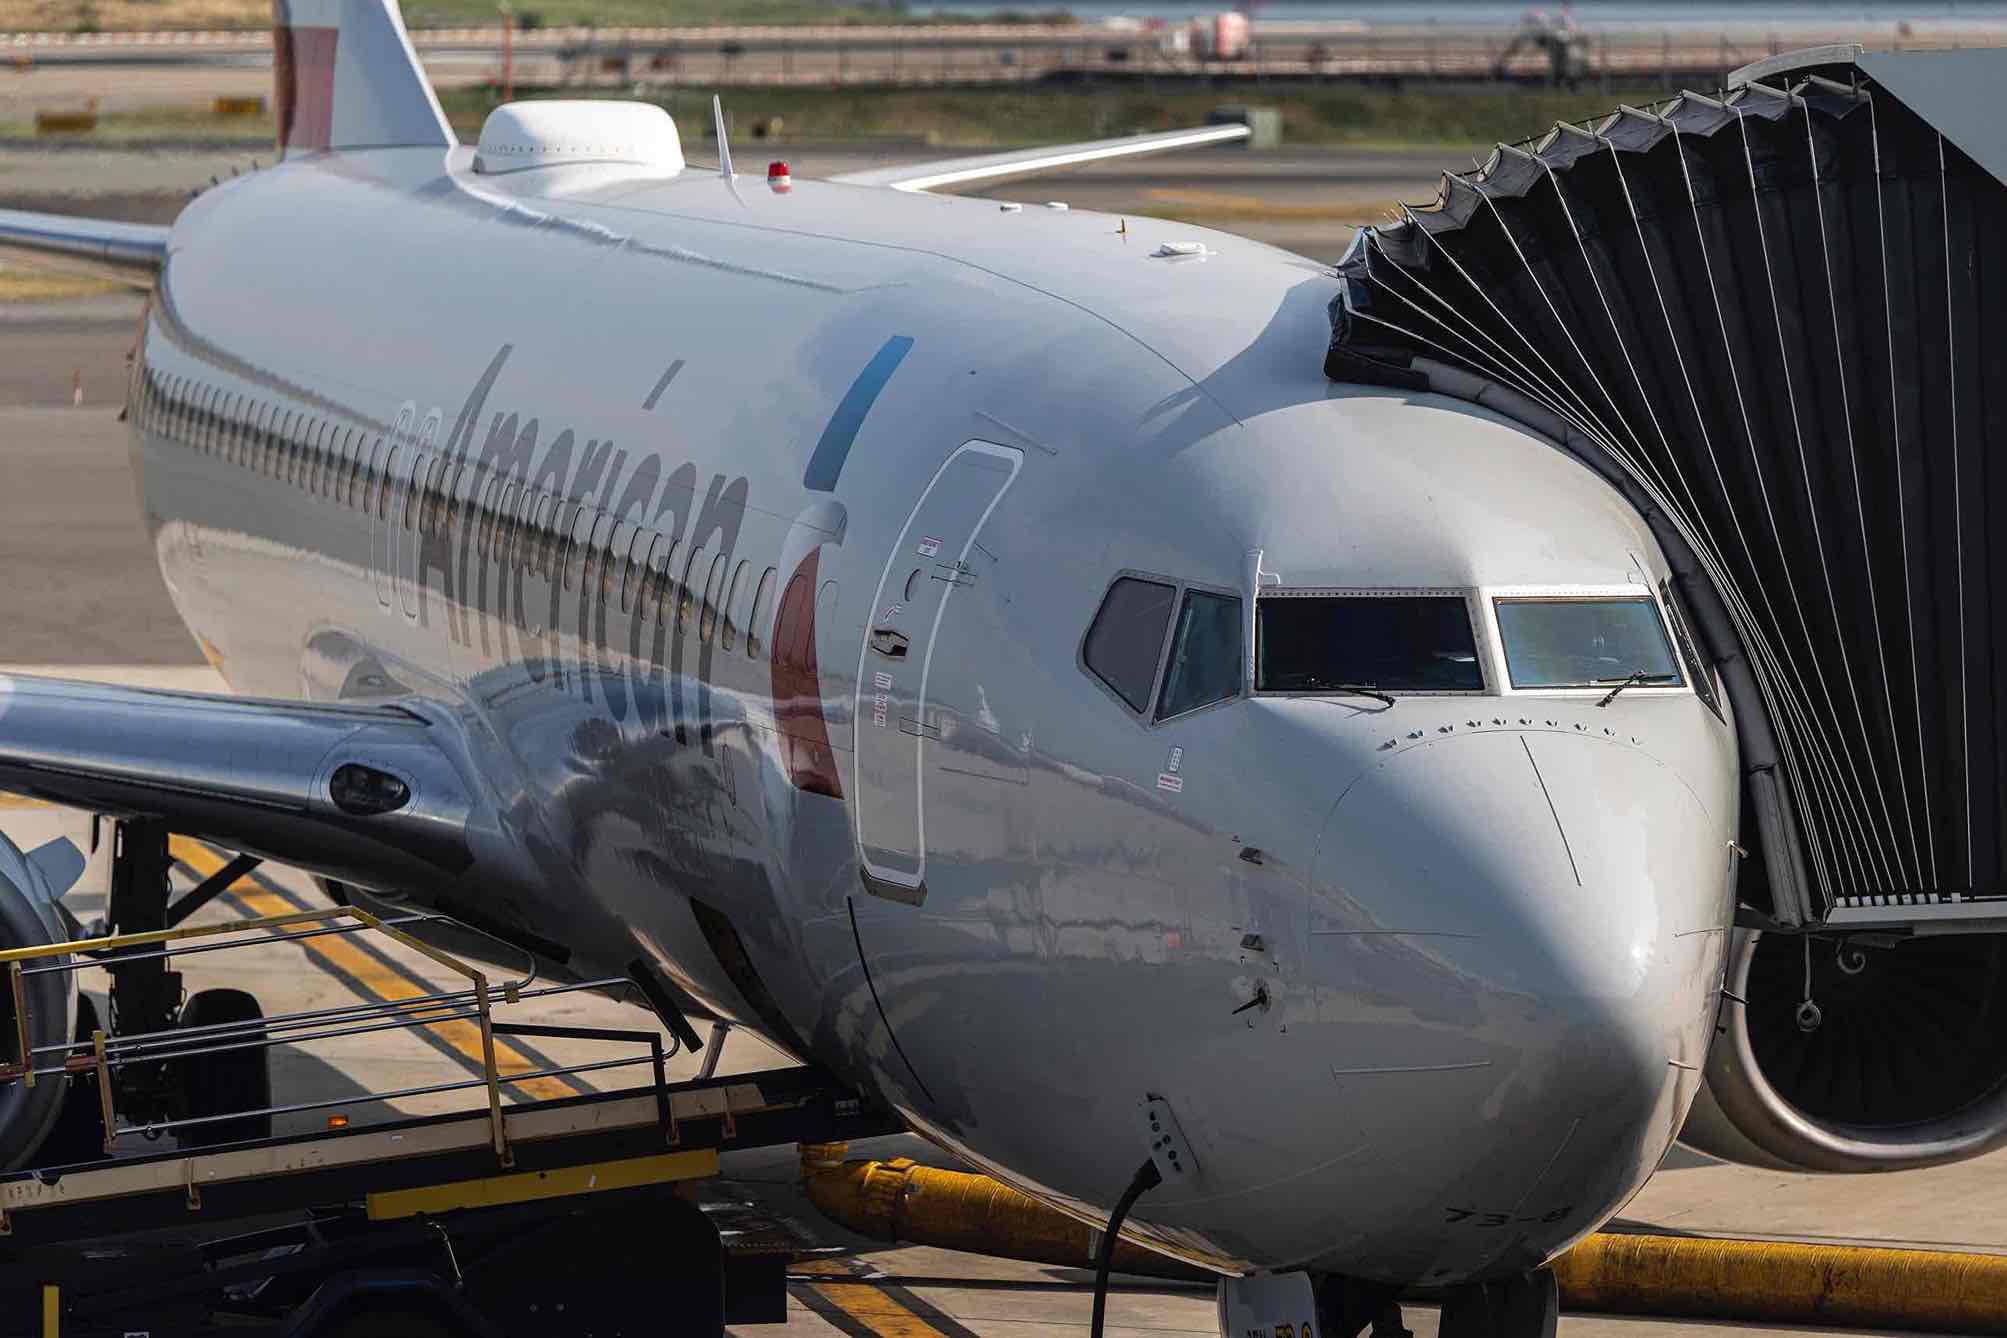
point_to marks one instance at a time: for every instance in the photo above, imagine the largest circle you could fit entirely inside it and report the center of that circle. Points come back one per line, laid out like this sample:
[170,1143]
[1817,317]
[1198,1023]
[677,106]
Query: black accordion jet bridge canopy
[1777,320]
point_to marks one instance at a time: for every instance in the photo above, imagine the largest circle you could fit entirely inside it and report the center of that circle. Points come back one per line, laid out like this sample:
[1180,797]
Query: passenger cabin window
[728,624]
[1127,638]
[458,499]
[1315,643]
[634,567]
[685,599]
[707,614]
[757,618]
[1205,664]
[661,566]
[535,539]
[574,541]
[1586,642]
[368,467]
[508,517]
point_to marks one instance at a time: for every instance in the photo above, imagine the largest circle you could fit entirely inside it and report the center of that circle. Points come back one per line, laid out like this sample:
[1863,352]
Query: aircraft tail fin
[345,76]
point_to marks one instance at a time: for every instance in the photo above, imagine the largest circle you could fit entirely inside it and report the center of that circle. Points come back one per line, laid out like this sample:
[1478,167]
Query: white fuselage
[822,747]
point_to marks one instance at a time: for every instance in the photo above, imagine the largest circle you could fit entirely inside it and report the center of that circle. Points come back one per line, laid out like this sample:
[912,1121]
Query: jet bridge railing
[105,1055]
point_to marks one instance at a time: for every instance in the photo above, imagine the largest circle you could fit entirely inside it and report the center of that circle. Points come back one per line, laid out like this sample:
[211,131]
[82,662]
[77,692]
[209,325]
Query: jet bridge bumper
[1776,320]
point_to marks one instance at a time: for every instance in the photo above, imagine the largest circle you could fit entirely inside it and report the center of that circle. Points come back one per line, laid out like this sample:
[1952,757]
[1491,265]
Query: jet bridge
[1776,319]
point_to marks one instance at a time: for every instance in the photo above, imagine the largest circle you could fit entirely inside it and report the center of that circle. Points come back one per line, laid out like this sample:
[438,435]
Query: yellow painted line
[211,654]
[863,1301]
[532,1185]
[23,801]
[875,1310]
[380,981]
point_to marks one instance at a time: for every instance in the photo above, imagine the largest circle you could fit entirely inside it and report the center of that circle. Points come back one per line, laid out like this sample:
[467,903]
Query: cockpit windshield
[1391,643]
[1586,643]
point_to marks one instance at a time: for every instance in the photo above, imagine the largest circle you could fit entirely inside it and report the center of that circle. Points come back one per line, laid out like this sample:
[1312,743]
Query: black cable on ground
[1148,1177]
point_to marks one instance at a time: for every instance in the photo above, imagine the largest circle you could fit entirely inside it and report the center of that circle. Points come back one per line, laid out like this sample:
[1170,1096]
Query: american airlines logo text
[487,605]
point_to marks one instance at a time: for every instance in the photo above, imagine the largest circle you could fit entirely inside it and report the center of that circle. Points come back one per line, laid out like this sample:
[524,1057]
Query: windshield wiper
[1632,679]
[1317,686]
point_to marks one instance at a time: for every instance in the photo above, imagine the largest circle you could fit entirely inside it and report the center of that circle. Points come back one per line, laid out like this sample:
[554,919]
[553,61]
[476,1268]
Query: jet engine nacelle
[1900,1060]
[30,916]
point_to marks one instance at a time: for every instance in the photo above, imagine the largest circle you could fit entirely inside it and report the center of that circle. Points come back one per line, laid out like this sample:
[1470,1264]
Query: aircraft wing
[990,168]
[374,795]
[130,252]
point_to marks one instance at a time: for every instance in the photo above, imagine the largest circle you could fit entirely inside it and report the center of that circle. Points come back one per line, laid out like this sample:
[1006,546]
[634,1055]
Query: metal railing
[104,1055]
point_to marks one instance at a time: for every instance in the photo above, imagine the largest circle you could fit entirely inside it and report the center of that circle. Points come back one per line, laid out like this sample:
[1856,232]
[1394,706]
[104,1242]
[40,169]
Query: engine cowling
[1905,1064]
[29,917]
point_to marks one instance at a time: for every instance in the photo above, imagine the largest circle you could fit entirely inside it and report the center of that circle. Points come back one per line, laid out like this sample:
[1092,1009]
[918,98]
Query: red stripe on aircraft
[303,65]
[811,763]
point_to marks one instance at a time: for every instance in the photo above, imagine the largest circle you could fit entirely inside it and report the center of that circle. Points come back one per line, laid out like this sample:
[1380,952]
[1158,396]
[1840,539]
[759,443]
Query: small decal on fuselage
[929,546]
[881,699]
[1169,783]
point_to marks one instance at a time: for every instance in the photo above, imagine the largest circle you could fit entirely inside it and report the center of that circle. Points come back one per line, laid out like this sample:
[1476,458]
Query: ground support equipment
[573,1215]
[420,1218]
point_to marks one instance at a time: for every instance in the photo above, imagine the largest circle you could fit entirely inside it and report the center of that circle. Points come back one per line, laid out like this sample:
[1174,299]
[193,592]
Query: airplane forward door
[929,563]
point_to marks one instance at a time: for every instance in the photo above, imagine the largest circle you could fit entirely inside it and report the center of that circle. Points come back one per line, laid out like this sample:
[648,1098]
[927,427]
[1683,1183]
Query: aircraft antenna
[724,148]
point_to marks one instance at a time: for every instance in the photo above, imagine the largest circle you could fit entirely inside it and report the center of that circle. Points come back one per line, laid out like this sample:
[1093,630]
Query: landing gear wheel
[1347,1307]
[226,1080]
[1387,1324]
[1528,1306]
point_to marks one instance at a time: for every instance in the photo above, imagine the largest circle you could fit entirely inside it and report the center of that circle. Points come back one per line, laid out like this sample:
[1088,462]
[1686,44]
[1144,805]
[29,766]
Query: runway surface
[81,596]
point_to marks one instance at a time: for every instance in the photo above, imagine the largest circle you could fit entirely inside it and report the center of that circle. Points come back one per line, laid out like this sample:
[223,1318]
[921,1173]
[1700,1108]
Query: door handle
[889,643]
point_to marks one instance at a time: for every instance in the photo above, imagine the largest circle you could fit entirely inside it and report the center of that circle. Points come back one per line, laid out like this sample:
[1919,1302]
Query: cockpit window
[1205,665]
[1586,643]
[1127,638]
[1696,664]
[1390,643]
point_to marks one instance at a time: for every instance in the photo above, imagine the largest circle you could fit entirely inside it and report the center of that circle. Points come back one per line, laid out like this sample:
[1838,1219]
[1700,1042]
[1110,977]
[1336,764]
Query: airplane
[975,647]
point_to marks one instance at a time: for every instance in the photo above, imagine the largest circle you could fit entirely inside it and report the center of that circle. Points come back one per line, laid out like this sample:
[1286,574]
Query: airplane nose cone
[1518,938]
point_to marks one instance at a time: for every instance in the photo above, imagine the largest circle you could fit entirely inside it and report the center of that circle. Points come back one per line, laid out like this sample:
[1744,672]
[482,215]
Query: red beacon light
[779,177]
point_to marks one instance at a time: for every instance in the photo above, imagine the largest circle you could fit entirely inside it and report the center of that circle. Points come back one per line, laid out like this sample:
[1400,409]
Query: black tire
[226,1081]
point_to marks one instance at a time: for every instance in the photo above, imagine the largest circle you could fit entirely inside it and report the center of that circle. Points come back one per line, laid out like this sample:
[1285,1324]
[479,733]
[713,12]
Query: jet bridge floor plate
[441,1162]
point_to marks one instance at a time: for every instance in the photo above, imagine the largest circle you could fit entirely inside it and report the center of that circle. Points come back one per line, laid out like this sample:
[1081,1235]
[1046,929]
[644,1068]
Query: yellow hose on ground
[899,1200]
[1776,1281]
[1849,1286]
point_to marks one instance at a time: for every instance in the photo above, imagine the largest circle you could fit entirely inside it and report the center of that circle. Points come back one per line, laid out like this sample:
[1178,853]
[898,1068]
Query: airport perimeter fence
[941,55]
